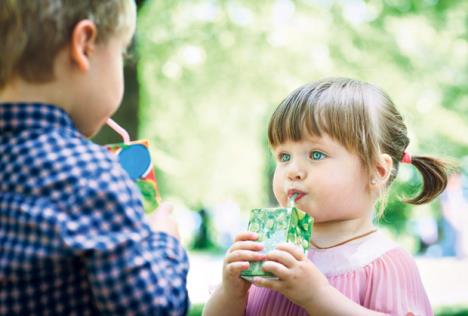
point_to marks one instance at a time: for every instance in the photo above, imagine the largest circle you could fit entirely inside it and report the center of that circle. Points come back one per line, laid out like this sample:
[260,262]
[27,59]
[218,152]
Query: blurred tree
[212,72]
[203,239]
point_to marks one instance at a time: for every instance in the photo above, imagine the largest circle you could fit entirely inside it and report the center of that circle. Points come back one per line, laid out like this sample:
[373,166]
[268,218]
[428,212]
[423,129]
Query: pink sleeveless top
[373,272]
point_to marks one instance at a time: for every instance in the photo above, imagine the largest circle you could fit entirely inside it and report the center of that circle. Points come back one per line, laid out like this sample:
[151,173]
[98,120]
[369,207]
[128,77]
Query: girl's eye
[283,157]
[317,155]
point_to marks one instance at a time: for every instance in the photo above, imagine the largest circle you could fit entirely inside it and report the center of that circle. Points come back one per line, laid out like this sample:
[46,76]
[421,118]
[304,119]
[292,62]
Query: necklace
[343,242]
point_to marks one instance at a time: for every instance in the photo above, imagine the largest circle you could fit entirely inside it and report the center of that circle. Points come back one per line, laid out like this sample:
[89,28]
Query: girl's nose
[296,172]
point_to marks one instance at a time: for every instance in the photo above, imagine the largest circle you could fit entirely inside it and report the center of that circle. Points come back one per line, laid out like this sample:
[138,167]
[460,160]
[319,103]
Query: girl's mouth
[296,195]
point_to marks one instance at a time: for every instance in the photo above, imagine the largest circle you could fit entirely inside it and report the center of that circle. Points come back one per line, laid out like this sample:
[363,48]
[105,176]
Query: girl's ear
[383,170]
[83,43]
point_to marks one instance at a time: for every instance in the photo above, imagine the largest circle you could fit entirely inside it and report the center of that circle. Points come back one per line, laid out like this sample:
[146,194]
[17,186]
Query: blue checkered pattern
[73,238]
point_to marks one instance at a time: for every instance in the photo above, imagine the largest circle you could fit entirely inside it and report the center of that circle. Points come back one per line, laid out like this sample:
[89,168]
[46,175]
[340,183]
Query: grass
[452,311]
[196,310]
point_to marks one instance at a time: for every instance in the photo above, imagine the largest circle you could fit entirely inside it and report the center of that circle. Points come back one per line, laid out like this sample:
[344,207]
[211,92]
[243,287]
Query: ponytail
[434,173]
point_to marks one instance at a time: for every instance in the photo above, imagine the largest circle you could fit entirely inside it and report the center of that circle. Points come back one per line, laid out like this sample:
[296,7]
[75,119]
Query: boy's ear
[383,169]
[83,43]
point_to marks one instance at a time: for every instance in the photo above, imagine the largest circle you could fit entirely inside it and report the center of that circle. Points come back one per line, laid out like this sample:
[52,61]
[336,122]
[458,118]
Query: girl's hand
[243,250]
[299,279]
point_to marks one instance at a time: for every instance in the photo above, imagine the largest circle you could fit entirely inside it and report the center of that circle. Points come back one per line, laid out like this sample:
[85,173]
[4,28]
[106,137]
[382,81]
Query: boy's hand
[243,250]
[299,279]
[162,221]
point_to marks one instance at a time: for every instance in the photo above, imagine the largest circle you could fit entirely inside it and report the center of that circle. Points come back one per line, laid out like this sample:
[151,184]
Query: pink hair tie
[406,158]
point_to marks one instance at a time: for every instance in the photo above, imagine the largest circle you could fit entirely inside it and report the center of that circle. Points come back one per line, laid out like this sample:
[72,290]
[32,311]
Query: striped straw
[292,200]
[119,129]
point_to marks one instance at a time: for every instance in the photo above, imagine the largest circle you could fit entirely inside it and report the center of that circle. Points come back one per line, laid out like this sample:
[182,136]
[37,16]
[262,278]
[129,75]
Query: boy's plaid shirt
[73,239]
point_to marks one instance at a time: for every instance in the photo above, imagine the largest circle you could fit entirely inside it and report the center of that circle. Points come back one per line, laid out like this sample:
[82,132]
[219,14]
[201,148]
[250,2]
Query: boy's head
[358,115]
[65,41]
[33,32]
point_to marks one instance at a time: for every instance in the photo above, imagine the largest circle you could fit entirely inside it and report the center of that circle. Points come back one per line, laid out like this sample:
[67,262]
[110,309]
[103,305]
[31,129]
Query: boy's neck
[19,90]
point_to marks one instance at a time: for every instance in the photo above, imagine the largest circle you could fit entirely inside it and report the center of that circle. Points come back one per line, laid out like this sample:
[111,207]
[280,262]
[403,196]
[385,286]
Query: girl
[338,145]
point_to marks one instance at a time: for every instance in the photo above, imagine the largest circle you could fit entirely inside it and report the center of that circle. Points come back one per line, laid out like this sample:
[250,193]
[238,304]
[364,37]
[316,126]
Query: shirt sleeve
[130,268]
[395,286]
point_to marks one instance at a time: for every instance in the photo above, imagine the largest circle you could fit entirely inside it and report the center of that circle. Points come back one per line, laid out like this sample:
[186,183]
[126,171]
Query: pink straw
[119,129]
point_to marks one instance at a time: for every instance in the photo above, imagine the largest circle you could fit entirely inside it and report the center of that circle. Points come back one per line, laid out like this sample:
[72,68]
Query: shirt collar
[26,116]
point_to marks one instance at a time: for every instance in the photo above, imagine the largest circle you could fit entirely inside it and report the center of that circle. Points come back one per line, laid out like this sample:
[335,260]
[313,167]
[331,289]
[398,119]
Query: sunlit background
[206,76]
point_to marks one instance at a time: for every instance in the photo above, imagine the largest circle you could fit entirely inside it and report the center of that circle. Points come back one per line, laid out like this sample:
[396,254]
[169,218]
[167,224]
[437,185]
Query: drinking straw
[292,200]
[119,129]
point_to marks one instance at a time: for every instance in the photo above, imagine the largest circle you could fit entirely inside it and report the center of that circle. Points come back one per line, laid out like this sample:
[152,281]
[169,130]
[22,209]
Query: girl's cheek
[281,197]
[279,186]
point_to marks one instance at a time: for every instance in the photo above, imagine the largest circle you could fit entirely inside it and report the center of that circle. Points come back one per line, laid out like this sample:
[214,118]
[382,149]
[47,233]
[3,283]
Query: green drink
[274,226]
[134,157]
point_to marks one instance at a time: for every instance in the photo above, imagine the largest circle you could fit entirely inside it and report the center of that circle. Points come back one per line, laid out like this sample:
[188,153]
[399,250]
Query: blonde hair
[33,32]
[363,119]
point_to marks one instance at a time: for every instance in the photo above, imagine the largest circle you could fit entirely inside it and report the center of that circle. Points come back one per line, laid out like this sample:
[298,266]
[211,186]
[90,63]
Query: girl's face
[331,182]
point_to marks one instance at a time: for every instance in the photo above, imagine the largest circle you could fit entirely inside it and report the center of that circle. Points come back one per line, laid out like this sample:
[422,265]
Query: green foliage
[212,72]
[196,310]
[452,311]
[397,213]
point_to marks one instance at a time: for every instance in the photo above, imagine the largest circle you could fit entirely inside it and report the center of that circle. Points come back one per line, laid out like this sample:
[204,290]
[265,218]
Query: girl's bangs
[311,114]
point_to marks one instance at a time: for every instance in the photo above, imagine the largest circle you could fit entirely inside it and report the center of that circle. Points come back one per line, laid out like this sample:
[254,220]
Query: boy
[73,238]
